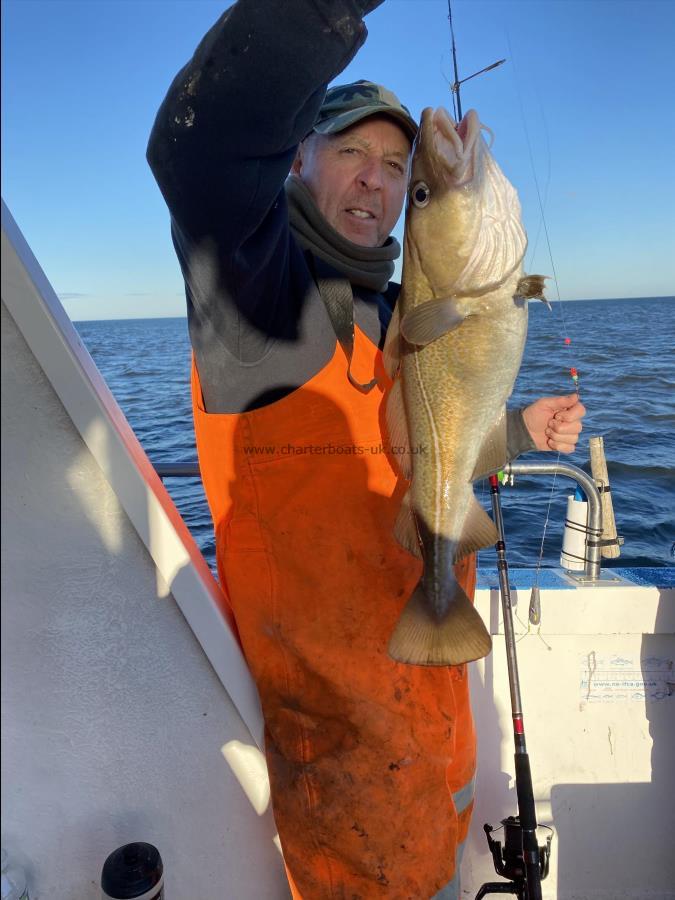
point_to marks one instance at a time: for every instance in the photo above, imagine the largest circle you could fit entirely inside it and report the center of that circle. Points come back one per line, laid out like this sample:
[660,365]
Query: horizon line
[575,300]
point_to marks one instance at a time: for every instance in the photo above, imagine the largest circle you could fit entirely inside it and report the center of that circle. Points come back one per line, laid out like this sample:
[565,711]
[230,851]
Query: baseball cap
[346,104]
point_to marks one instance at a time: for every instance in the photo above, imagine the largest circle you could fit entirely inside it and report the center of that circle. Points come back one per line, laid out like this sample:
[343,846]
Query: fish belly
[454,392]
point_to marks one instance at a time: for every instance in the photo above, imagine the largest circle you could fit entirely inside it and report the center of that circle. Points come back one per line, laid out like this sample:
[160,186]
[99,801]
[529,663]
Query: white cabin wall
[113,719]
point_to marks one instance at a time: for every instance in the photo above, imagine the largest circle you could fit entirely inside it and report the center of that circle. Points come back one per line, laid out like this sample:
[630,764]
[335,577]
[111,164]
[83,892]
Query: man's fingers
[558,427]
[562,430]
[562,402]
[561,446]
[571,414]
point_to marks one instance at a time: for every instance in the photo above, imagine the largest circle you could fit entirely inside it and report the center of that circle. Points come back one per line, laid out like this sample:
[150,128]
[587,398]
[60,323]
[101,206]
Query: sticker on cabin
[615,678]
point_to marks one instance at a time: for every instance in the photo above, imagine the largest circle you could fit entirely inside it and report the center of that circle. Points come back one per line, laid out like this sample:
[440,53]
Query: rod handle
[528,821]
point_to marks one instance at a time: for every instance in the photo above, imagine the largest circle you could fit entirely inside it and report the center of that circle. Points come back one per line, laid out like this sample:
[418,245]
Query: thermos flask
[133,872]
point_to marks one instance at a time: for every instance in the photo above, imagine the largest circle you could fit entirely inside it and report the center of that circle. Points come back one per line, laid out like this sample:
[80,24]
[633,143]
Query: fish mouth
[452,147]
[469,127]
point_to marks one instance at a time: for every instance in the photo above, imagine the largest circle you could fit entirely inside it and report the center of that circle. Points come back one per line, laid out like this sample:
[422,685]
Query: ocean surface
[623,350]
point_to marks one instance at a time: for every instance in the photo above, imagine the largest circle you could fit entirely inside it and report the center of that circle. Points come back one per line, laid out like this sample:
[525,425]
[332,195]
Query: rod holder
[588,486]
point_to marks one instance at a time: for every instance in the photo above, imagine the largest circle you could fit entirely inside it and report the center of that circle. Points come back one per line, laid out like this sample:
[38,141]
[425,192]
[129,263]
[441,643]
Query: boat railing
[585,482]
[177,470]
[593,536]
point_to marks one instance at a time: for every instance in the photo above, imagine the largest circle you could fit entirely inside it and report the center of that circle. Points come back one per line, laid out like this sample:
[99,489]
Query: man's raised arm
[225,135]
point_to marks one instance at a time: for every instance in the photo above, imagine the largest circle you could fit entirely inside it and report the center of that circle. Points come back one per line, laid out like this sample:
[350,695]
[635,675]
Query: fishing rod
[521,860]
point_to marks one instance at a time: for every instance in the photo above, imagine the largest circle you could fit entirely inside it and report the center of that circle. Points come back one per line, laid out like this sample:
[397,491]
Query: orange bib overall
[370,761]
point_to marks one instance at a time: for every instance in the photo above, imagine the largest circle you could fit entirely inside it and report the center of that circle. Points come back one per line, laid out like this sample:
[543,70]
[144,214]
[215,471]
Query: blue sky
[588,82]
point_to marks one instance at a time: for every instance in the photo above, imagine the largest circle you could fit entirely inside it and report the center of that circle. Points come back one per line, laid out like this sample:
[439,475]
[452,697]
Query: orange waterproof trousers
[364,754]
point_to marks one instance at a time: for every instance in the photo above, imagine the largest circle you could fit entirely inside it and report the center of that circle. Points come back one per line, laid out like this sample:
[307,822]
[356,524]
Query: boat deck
[129,713]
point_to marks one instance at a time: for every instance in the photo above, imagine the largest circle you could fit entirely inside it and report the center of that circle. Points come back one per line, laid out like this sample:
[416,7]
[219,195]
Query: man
[371,763]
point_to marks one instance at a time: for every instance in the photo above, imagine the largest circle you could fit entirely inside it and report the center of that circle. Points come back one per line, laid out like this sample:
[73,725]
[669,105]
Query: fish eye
[420,194]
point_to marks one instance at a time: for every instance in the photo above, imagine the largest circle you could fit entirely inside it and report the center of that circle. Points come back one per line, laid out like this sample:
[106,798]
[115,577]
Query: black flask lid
[131,871]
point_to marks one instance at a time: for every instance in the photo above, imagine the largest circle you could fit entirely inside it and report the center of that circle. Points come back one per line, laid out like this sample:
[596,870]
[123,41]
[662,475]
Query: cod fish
[453,348]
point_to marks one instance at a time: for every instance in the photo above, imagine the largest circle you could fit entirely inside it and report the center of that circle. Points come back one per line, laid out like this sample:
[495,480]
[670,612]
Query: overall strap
[337,296]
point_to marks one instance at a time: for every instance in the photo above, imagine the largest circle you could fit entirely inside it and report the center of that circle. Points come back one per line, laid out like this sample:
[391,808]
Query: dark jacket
[221,148]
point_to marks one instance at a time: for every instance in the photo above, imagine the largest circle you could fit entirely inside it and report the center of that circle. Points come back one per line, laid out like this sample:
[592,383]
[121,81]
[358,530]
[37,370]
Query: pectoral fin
[492,456]
[479,531]
[531,287]
[431,320]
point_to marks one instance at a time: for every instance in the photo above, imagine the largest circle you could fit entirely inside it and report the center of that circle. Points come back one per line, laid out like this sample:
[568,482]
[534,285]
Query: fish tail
[422,638]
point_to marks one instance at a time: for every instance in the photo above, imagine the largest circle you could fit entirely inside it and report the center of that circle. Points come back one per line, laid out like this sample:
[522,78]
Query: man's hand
[554,423]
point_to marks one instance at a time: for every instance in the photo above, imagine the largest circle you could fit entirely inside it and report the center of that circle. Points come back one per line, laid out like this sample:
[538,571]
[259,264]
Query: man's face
[358,177]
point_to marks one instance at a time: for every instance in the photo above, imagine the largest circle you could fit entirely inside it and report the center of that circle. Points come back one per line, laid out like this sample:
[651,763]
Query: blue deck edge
[645,576]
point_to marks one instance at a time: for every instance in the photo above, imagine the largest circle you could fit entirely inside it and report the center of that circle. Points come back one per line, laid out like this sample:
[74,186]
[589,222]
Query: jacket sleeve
[518,438]
[226,134]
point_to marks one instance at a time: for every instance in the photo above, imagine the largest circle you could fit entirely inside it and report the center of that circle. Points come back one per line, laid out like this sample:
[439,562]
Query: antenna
[454,87]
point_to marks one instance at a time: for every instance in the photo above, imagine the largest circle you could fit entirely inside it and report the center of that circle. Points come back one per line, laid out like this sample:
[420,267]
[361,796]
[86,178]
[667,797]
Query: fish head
[462,231]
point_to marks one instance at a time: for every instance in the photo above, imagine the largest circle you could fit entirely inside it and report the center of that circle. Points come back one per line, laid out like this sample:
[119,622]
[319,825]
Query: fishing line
[548,181]
[533,167]
[566,340]
[542,224]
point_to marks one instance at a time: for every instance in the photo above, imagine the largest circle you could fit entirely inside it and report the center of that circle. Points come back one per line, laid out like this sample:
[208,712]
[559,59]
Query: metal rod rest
[594,521]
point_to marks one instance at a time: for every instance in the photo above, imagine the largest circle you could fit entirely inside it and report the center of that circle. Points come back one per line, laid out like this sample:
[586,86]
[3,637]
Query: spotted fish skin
[454,348]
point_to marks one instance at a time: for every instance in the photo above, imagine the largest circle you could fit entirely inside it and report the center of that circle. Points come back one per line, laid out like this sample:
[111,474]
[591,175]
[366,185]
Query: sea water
[622,350]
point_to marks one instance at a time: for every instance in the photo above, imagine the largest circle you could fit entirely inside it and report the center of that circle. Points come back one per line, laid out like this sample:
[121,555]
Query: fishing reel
[509,861]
